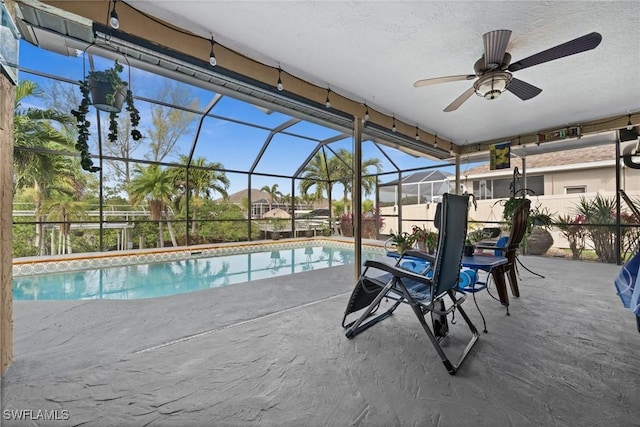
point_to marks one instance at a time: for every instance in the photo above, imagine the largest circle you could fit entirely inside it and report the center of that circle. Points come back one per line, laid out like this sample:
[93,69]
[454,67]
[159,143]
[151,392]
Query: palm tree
[37,132]
[346,173]
[156,187]
[288,201]
[63,208]
[204,180]
[273,193]
[321,173]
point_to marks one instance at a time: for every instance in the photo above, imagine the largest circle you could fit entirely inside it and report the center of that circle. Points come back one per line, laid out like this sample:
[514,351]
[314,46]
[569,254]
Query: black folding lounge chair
[435,296]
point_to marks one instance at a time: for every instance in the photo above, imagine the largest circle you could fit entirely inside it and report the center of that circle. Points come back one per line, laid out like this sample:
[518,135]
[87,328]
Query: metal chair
[436,295]
[510,249]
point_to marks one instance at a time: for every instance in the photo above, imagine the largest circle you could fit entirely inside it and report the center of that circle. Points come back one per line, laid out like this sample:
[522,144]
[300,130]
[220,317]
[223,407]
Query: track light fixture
[279,86]
[113,17]
[451,152]
[417,135]
[327,103]
[212,56]
[435,140]
[629,124]
[393,125]
[366,112]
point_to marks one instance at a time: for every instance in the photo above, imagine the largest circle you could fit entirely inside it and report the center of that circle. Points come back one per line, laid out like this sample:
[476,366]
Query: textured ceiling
[374,51]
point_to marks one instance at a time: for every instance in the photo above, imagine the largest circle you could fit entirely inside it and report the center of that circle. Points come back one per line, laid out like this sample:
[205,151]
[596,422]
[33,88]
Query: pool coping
[83,261]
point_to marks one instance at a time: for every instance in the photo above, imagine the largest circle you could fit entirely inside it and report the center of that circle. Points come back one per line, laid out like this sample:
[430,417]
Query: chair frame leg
[362,324]
[358,326]
[513,282]
[452,368]
[501,286]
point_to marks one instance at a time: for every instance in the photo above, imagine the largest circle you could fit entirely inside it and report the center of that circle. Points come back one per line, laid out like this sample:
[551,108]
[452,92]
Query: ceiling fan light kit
[492,85]
[494,69]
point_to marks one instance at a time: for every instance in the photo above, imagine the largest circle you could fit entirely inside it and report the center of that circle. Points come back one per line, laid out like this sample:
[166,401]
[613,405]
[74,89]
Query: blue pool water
[176,277]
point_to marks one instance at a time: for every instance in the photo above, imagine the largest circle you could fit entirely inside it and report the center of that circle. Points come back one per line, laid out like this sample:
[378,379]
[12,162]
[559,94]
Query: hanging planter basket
[104,97]
[106,91]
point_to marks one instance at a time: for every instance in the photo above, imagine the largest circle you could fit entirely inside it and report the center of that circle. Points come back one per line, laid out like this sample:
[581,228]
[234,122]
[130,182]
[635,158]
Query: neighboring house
[588,170]
[419,187]
[556,181]
[418,193]
[260,203]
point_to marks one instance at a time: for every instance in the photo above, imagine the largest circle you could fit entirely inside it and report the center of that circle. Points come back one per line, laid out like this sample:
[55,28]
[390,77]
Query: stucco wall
[596,179]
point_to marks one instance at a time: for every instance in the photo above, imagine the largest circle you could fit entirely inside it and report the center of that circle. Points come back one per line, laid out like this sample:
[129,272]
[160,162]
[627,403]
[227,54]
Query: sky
[230,143]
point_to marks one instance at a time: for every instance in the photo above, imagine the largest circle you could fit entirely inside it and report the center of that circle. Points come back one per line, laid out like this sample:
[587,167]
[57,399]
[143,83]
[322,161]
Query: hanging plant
[510,206]
[106,91]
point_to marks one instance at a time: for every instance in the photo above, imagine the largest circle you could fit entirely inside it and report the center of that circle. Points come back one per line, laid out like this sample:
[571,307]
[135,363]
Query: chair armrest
[420,255]
[491,247]
[397,272]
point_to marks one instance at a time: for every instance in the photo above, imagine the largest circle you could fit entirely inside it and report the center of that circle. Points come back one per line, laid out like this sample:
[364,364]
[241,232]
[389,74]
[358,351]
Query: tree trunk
[193,218]
[172,233]
[40,235]
[53,244]
[161,235]
[39,228]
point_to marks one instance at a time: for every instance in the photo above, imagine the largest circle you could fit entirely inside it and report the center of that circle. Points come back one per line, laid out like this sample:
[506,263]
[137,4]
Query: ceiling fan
[494,69]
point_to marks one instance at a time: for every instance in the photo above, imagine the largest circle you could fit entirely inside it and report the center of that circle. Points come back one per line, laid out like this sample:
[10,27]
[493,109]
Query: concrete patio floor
[273,353]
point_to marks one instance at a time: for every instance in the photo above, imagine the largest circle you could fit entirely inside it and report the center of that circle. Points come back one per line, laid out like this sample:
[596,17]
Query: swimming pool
[156,279]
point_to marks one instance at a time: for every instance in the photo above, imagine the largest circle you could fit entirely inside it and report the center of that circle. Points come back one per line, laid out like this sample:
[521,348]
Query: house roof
[558,158]
[256,195]
[422,176]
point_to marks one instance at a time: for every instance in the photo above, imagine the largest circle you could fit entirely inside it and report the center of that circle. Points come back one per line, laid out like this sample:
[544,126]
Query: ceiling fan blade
[437,80]
[581,44]
[495,45]
[459,100]
[523,90]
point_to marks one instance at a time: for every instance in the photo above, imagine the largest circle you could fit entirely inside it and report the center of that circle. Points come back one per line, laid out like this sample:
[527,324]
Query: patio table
[489,263]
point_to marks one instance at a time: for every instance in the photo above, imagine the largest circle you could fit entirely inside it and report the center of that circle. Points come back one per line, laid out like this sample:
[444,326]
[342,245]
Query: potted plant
[425,239]
[346,224]
[106,91]
[402,241]
[538,237]
[510,205]
[473,236]
[541,217]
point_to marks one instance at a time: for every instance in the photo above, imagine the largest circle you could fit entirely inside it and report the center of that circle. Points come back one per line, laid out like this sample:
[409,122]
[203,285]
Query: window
[535,184]
[500,188]
[483,189]
[576,189]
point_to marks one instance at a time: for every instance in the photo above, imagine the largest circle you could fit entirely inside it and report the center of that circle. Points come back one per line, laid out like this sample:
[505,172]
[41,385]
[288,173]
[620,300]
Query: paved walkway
[272,353]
